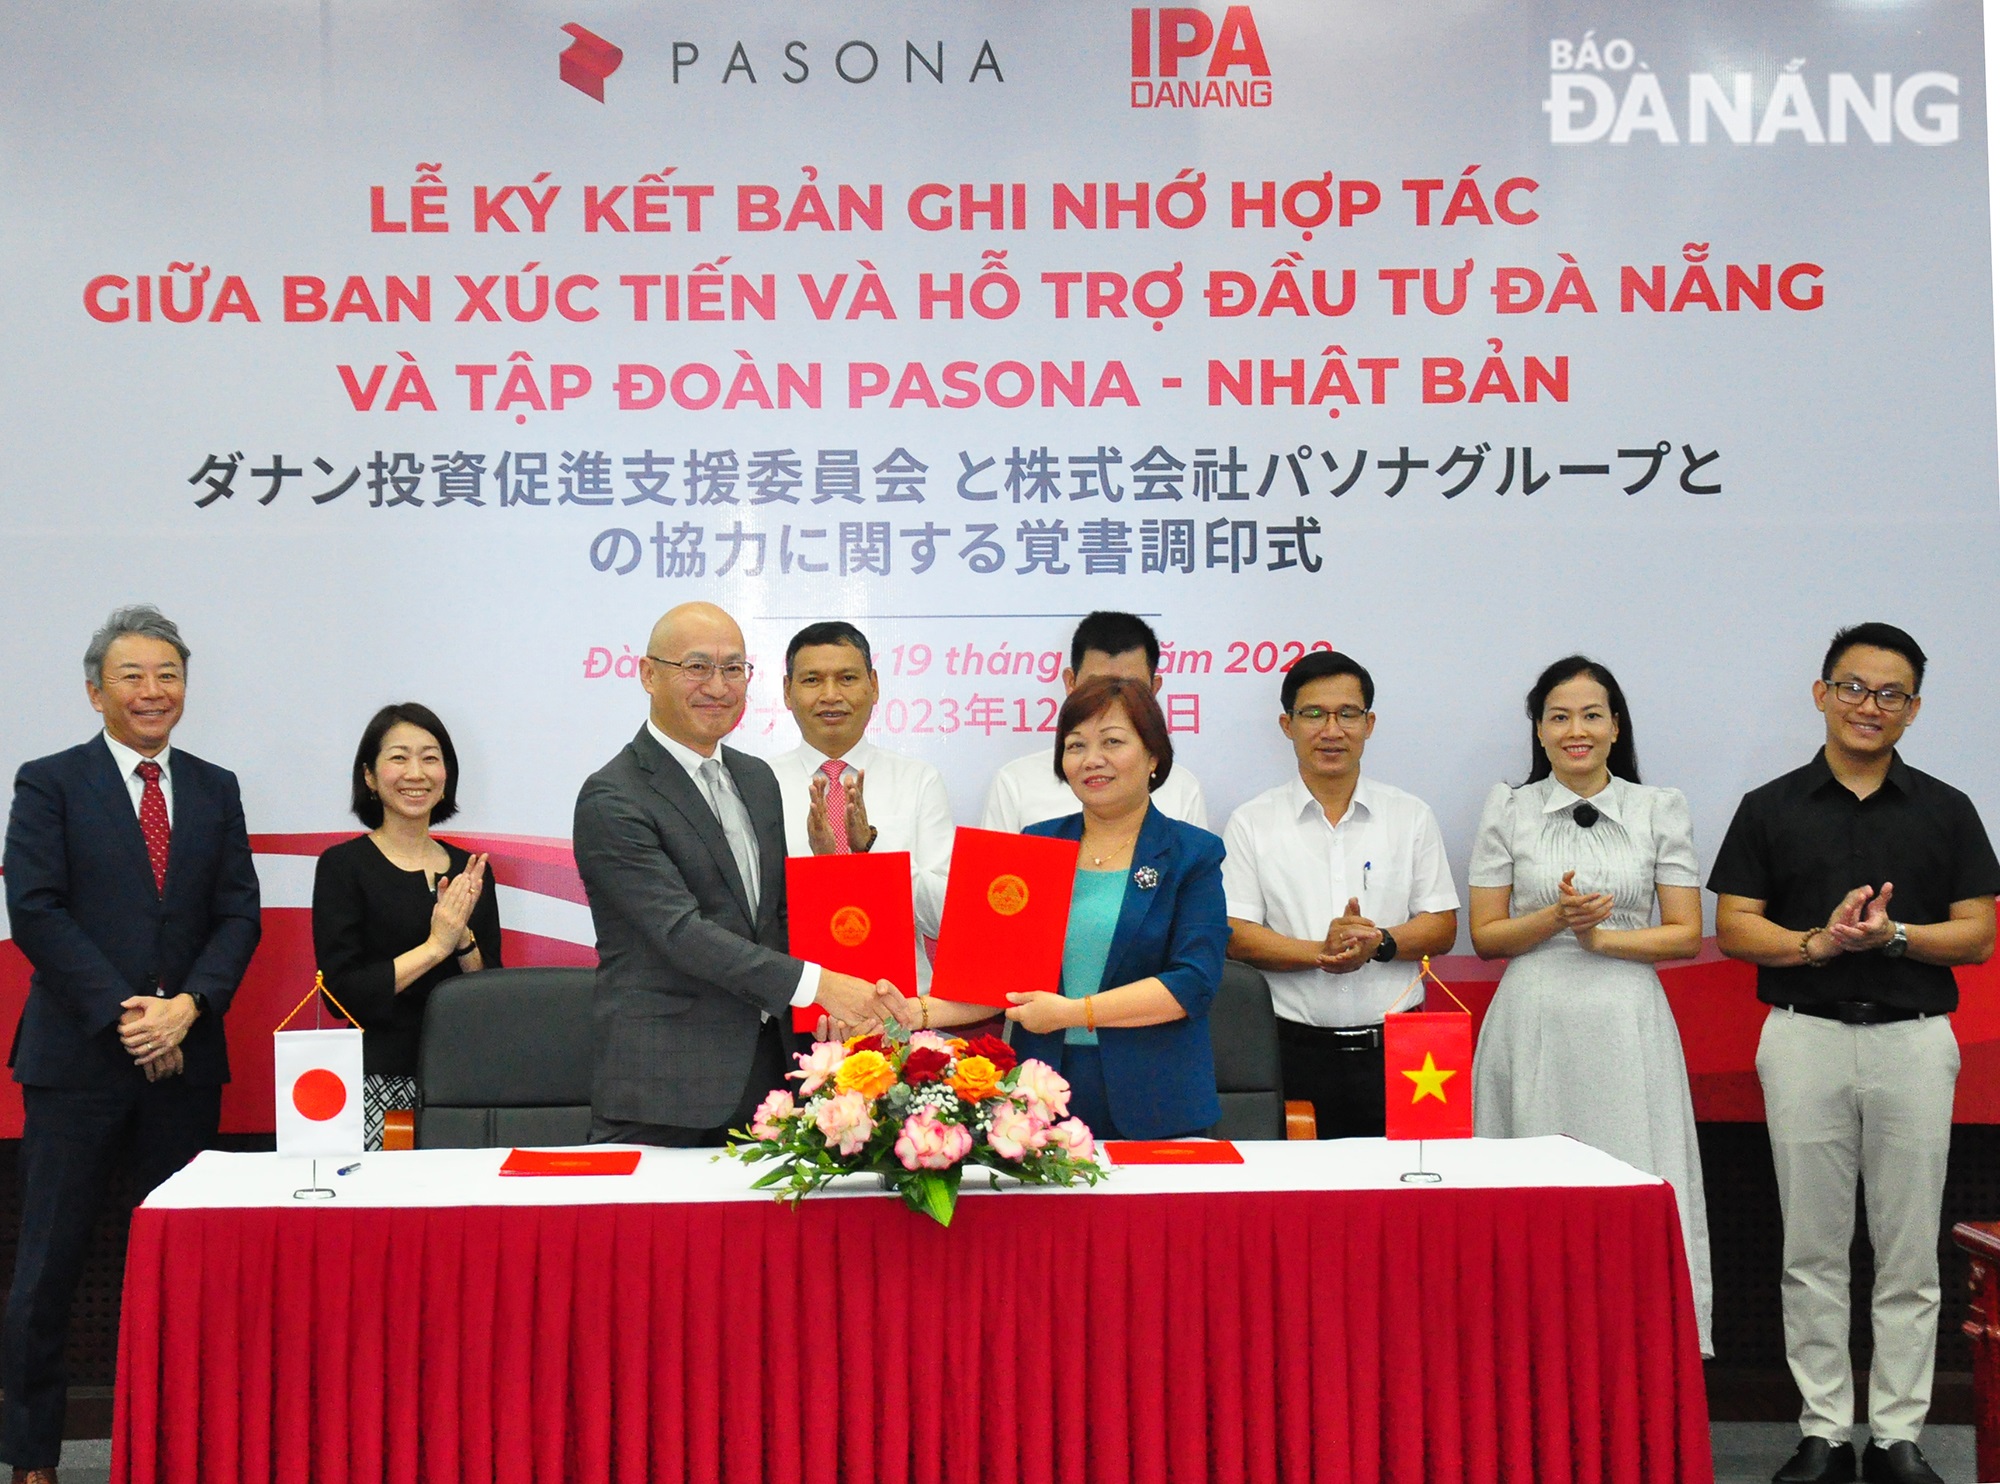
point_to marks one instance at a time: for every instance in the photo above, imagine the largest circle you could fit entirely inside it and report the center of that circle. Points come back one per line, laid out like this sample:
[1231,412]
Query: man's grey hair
[142,619]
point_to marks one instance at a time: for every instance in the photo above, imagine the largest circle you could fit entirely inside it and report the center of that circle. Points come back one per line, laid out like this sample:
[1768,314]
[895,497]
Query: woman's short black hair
[1623,760]
[367,807]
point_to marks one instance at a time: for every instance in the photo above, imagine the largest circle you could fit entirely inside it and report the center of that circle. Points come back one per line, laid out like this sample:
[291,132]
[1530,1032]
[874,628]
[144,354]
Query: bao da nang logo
[1184,58]
[1607,93]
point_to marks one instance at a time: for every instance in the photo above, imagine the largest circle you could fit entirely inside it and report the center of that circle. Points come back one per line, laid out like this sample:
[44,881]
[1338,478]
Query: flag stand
[319,1192]
[1420,1175]
[315,1191]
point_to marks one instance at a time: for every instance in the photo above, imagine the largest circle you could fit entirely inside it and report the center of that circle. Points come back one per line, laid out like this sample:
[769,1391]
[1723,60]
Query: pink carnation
[817,1065]
[778,1105]
[931,1039]
[1074,1138]
[926,1144]
[845,1122]
[1046,1089]
[1014,1134]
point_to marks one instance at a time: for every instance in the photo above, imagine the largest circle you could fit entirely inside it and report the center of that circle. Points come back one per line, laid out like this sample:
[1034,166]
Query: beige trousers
[1873,1100]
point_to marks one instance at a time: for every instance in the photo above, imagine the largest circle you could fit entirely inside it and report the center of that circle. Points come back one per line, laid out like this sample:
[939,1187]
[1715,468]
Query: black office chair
[1244,1030]
[506,1060]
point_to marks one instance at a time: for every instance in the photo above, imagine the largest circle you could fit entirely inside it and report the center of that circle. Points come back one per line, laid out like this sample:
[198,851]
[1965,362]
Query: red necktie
[836,805]
[153,823]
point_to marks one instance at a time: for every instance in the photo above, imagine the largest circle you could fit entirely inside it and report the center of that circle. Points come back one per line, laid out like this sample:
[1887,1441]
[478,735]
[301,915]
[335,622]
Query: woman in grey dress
[1565,876]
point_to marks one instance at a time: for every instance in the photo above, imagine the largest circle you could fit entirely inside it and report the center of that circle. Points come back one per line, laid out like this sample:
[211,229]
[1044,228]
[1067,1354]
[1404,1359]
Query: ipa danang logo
[1007,895]
[1184,58]
[850,927]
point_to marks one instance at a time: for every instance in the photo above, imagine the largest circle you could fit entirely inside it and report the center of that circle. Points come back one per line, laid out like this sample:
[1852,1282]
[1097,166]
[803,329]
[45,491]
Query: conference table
[1303,1315]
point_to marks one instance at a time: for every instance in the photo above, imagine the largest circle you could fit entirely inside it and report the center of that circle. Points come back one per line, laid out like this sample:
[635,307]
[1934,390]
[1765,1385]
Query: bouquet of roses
[917,1111]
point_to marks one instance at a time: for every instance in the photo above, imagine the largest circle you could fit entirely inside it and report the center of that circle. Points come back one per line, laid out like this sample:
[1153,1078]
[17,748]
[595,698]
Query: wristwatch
[1386,949]
[1898,945]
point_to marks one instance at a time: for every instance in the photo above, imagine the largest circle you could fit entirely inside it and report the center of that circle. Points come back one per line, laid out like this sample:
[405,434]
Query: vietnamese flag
[852,914]
[1006,912]
[1427,1062]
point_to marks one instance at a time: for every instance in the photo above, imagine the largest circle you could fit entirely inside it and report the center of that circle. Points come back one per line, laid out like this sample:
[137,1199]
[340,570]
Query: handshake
[855,1007]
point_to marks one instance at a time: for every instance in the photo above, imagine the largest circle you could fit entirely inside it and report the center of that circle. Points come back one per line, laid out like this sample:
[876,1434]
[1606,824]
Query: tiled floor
[1745,1453]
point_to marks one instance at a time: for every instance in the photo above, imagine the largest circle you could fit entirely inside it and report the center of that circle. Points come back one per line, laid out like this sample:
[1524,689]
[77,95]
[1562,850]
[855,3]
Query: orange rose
[866,1072]
[975,1079]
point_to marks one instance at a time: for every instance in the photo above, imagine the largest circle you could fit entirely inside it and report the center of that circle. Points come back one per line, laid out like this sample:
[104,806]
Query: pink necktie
[153,823]
[836,805]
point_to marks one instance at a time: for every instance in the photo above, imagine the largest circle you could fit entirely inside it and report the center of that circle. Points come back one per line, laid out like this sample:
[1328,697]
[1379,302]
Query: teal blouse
[1094,905]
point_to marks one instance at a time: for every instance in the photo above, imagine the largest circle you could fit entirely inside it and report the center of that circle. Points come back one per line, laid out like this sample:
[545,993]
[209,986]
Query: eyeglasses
[1853,692]
[1349,717]
[702,671]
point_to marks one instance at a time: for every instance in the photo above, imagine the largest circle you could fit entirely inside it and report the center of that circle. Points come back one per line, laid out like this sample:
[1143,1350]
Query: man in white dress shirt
[1028,790]
[1336,884]
[841,792]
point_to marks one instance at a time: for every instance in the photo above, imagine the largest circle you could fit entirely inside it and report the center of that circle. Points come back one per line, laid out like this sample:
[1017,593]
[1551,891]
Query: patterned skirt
[385,1092]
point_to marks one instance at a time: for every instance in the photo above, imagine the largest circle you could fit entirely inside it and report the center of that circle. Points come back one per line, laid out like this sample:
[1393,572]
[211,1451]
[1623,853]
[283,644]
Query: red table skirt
[1409,1335]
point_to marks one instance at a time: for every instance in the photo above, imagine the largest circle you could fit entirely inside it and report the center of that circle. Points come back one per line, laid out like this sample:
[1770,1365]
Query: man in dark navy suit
[132,894]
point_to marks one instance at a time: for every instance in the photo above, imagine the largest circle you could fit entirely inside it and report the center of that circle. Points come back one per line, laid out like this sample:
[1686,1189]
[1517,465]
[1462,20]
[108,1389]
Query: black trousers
[71,1143]
[1339,1073]
[767,1071]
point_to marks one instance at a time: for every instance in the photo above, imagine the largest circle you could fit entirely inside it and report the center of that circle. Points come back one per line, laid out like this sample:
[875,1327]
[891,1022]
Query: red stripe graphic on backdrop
[1714,999]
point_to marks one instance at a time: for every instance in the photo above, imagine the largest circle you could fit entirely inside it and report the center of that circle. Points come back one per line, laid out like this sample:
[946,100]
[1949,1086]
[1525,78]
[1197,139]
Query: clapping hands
[1351,941]
[456,897]
[1861,921]
[1582,913]
[819,831]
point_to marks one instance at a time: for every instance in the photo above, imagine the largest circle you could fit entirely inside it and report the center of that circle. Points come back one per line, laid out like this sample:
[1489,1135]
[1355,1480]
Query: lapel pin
[1145,878]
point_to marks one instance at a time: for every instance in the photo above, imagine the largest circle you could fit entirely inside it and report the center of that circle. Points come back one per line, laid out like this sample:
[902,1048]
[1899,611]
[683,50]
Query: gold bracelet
[1090,1013]
[924,1004]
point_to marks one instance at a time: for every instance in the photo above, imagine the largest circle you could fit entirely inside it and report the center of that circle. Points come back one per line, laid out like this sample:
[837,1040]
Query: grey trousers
[1873,1100]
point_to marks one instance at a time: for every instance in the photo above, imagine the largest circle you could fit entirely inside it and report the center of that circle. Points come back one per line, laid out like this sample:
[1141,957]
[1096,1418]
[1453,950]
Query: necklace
[1120,848]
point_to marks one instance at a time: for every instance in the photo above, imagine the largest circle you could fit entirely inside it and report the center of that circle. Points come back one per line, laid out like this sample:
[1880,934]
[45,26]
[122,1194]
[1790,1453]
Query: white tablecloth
[471,1177]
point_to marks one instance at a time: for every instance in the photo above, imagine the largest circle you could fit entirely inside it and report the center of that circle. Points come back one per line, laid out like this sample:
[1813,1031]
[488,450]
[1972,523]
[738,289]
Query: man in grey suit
[681,845]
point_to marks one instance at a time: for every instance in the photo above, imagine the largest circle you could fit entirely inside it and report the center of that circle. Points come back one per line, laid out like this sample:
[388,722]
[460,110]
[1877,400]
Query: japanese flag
[319,1092]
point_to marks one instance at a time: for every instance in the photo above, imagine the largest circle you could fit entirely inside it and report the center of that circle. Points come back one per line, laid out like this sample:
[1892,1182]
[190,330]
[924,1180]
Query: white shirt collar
[860,755]
[128,760]
[1608,800]
[680,752]
[1358,808]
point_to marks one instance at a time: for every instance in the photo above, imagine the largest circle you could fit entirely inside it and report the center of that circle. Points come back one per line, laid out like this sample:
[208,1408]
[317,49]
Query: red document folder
[1172,1152]
[1006,909]
[852,914]
[571,1162]
[1427,1063]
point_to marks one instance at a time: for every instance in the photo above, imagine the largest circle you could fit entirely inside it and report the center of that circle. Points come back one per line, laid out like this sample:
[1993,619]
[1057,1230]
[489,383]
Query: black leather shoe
[1897,1463]
[1818,1462]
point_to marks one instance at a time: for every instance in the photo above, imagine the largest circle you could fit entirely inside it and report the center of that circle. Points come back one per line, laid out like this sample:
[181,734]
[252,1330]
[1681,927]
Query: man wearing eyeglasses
[1336,884]
[681,845]
[1855,883]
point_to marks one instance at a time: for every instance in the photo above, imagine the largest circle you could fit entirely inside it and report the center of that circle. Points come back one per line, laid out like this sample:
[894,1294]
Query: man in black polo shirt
[1854,884]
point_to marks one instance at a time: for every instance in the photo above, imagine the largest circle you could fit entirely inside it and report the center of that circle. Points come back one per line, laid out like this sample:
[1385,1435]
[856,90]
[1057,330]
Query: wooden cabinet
[1981,1240]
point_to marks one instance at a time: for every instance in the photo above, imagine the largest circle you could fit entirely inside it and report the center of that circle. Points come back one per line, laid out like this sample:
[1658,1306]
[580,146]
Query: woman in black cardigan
[395,911]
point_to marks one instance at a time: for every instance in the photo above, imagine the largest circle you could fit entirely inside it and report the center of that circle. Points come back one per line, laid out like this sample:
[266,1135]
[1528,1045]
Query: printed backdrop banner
[432,352]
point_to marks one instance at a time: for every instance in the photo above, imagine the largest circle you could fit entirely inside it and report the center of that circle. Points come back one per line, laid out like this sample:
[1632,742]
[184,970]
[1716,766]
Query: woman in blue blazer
[1147,930]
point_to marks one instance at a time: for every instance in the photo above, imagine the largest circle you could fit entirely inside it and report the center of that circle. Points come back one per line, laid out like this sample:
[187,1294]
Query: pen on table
[348,1169]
